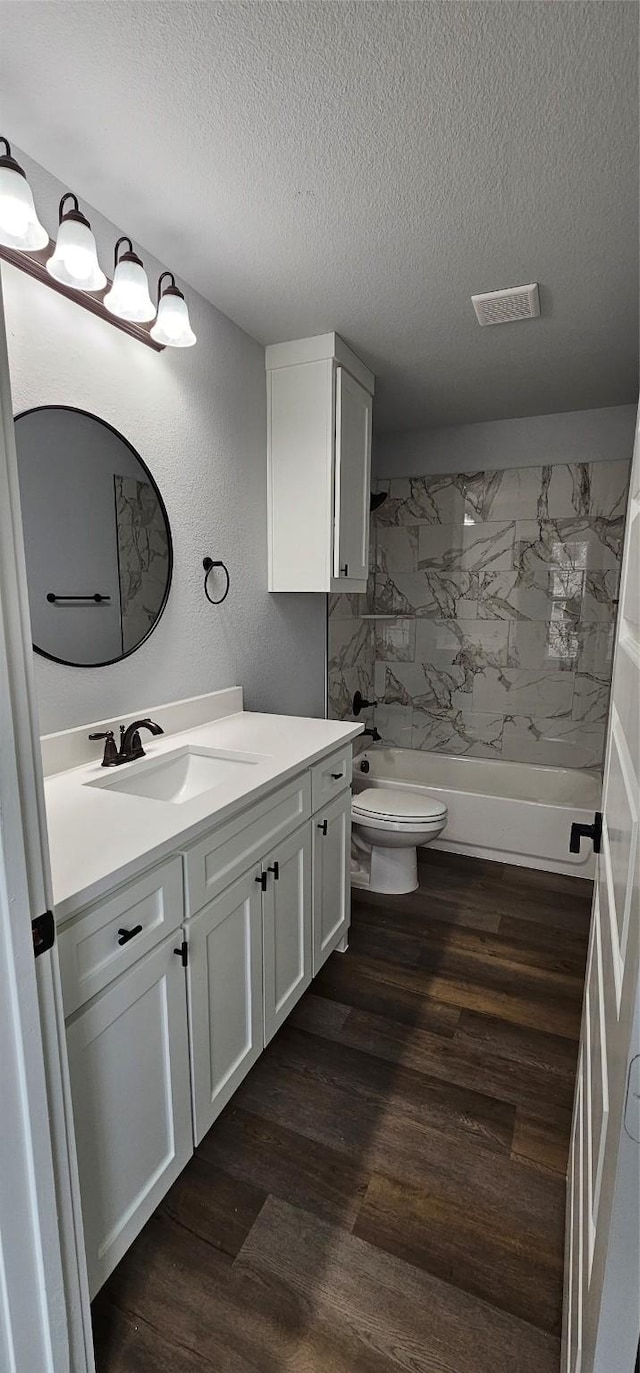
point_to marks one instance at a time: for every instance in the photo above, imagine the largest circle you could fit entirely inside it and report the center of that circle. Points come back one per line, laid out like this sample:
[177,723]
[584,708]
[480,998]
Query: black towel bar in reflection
[51,596]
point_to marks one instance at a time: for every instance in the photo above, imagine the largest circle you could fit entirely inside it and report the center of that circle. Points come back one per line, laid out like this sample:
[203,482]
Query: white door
[354,408]
[224,980]
[44,1312]
[602,1274]
[129,1065]
[286,907]
[331,877]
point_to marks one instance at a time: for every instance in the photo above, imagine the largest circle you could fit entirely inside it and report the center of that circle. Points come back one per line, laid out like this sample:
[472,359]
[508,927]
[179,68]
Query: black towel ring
[208,565]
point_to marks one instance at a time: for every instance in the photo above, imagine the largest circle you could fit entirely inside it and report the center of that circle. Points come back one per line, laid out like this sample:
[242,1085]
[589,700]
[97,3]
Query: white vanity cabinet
[319,412]
[331,877]
[129,1070]
[174,981]
[224,984]
[287,928]
[250,956]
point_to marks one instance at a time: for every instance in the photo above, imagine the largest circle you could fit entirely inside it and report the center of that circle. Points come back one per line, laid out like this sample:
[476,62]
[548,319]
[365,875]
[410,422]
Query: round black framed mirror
[97,537]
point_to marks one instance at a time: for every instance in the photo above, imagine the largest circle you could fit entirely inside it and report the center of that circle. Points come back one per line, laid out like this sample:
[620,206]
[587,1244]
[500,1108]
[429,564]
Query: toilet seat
[381,807]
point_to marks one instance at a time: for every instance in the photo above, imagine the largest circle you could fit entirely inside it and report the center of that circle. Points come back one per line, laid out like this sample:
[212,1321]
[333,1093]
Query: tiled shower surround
[501,591]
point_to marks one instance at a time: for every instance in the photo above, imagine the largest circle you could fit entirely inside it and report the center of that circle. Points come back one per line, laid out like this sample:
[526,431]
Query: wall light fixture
[173,326]
[71,267]
[19,224]
[129,295]
[75,258]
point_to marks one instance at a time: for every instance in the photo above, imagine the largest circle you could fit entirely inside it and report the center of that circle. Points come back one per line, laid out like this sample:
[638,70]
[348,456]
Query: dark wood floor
[386,1189]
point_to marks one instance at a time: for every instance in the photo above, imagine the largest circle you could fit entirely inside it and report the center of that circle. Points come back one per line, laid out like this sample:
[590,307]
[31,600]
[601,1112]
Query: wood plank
[516,941]
[265,1154]
[186,1291]
[125,1343]
[386,1087]
[541,1138]
[363,983]
[411,1318]
[402,1147]
[413,914]
[467,1246]
[212,1205]
[530,1047]
[405,994]
[460,1062]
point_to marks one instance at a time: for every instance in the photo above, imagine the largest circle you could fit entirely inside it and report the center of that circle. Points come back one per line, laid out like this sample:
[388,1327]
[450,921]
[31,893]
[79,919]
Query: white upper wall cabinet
[319,410]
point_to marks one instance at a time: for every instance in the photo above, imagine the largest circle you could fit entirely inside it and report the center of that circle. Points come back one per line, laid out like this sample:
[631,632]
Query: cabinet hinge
[183,953]
[43,930]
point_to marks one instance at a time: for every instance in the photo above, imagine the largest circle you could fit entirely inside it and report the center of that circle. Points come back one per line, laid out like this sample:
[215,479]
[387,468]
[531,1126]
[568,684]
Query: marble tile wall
[501,591]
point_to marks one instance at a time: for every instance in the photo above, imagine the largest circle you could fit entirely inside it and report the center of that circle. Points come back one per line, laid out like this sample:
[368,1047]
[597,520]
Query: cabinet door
[224,980]
[287,928]
[129,1067]
[331,877]
[352,479]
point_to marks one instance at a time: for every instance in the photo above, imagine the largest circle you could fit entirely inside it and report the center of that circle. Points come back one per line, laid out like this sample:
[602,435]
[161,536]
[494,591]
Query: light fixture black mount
[75,214]
[129,256]
[8,160]
[171,290]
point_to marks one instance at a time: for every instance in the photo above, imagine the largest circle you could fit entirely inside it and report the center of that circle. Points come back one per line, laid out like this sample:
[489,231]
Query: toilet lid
[392,804]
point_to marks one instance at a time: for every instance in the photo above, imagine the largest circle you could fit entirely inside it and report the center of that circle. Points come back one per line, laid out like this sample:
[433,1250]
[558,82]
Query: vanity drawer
[213,863]
[89,950]
[330,777]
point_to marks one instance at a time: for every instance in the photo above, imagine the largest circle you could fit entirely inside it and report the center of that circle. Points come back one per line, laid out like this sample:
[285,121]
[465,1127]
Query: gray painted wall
[575,436]
[198,418]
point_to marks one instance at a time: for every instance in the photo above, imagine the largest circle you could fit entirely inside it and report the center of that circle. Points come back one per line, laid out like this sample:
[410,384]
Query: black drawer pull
[262,879]
[337,776]
[593,832]
[323,826]
[126,935]
[276,871]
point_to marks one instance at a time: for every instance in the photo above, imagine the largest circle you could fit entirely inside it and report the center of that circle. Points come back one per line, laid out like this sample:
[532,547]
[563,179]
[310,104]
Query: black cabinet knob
[275,869]
[323,826]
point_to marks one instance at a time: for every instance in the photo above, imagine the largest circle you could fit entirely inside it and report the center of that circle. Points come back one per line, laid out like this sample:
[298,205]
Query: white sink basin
[180,775]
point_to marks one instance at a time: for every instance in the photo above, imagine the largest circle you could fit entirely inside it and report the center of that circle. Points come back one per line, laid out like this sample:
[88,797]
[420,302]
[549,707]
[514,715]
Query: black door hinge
[183,953]
[593,832]
[43,930]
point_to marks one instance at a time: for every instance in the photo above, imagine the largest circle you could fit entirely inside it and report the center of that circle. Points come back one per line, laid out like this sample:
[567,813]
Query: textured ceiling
[364,167]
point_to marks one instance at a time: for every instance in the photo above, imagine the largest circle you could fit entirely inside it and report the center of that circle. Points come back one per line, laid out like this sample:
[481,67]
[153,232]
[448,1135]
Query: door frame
[45,1120]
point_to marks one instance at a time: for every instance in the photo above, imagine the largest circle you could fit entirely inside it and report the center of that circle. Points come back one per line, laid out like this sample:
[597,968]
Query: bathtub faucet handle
[360,703]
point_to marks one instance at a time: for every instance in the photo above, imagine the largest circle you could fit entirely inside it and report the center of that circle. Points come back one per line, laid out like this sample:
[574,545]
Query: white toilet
[388,827]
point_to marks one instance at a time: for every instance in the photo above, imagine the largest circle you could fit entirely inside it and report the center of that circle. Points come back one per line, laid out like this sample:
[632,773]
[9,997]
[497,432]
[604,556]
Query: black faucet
[376,738]
[130,743]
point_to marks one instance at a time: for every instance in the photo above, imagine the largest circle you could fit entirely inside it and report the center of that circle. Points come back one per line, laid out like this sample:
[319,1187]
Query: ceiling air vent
[503,307]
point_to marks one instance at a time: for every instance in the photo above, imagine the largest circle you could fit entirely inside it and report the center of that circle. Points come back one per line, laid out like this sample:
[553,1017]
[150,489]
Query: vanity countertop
[98,837]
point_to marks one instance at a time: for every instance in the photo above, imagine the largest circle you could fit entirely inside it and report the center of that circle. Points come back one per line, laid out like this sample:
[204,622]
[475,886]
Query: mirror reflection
[97,537]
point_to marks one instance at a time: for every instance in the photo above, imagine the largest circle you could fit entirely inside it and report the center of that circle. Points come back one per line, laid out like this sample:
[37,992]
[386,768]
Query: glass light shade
[172,327]
[75,260]
[129,295]
[19,223]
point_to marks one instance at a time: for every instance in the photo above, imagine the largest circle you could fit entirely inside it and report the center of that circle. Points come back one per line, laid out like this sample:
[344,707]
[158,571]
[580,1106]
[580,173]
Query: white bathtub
[512,812]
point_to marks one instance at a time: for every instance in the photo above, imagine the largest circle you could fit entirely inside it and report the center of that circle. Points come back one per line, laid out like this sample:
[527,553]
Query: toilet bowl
[388,827]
